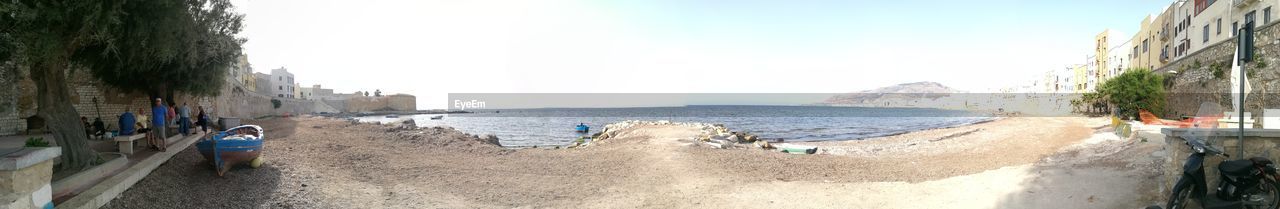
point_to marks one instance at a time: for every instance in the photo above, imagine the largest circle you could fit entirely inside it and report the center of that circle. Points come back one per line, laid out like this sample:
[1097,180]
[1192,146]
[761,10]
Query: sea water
[555,126]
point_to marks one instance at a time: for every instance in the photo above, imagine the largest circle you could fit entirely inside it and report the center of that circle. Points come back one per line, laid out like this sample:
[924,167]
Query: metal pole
[1240,112]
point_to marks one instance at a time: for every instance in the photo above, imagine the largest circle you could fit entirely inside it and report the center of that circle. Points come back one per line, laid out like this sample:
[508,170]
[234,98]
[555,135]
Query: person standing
[158,113]
[202,119]
[184,120]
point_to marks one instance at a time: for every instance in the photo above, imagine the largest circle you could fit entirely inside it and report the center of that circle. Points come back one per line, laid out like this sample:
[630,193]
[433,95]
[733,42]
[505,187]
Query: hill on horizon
[893,94]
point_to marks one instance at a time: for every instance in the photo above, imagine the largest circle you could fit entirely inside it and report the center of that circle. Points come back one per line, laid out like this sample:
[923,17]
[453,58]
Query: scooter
[1247,183]
[1243,183]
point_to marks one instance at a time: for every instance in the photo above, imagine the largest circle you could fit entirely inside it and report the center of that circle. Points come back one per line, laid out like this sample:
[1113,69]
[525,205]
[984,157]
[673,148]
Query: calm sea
[555,126]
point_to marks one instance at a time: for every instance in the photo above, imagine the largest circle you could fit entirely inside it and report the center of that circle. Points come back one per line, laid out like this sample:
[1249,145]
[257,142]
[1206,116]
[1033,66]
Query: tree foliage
[1134,89]
[181,45]
[168,46]
[44,35]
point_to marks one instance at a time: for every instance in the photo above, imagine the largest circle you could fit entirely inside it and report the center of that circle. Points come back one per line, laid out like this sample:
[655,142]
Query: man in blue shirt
[126,123]
[157,138]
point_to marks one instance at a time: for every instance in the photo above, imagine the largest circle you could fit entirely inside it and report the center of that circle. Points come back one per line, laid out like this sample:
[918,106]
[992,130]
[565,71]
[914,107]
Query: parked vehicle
[1242,183]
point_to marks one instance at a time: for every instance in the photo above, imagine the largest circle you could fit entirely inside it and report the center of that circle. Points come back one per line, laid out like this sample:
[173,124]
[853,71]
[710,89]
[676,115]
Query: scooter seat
[1236,167]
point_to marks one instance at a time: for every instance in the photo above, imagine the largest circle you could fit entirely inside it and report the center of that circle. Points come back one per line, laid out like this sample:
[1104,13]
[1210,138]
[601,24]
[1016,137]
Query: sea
[555,126]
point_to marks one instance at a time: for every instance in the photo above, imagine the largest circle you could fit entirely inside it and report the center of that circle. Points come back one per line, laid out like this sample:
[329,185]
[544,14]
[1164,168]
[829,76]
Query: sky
[430,48]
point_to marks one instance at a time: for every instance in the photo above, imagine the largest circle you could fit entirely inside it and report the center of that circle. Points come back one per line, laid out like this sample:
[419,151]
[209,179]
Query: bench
[126,142]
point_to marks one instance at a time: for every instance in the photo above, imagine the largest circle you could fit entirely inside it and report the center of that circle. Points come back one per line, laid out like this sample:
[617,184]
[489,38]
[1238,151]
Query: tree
[47,33]
[164,47]
[1134,89]
[119,41]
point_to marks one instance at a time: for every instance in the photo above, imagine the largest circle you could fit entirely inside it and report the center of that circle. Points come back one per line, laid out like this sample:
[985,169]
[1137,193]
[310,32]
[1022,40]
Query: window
[1219,26]
[1249,19]
[1144,45]
[1266,15]
[1235,26]
[1206,33]
[280,87]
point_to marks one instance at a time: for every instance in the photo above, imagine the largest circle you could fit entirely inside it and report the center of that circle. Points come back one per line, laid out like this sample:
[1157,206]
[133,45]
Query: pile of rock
[727,140]
[713,135]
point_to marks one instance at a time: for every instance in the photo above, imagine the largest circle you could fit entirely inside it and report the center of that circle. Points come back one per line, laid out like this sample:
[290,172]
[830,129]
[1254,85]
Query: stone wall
[1191,80]
[10,117]
[93,99]
[1257,142]
[398,102]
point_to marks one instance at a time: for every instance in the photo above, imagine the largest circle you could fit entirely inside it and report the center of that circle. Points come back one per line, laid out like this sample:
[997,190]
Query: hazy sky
[433,47]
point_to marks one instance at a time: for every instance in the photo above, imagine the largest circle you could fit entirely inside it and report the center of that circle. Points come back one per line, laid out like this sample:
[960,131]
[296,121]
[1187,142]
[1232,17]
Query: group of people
[160,114]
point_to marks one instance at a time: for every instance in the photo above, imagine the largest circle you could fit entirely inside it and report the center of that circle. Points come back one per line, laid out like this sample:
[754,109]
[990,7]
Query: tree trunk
[54,101]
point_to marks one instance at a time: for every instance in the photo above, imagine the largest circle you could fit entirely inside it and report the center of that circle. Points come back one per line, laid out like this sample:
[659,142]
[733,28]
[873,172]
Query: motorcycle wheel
[1181,196]
[1270,190]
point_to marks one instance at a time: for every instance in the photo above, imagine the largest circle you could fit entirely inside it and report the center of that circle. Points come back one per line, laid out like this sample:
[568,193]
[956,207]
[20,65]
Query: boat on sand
[238,145]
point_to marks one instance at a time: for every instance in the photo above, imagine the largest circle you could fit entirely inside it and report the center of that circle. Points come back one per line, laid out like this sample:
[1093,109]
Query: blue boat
[239,145]
[582,128]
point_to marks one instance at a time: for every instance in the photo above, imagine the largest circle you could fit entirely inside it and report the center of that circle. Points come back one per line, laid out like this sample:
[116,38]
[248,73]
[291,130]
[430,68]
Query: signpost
[1244,55]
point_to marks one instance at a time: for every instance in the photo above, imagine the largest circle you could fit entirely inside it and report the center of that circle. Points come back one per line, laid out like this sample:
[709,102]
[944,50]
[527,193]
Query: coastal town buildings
[305,93]
[1259,12]
[1181,29]
[282,83]
[1208,26]
[1180,39]
[1080,78]
[297,91]
[242,72]
[1111,56]
[262,83]
[319,93]
[1147,45]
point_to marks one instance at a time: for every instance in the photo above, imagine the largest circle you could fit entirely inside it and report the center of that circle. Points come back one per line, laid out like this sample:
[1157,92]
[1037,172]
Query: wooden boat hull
[229,153]
[226,153]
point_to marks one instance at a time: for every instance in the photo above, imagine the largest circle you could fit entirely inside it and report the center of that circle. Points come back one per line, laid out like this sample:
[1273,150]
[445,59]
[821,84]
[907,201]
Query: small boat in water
[239,145]
[438,117]
[582,128]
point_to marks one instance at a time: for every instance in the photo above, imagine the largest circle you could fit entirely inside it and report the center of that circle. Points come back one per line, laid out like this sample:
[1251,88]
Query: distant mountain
[901,95]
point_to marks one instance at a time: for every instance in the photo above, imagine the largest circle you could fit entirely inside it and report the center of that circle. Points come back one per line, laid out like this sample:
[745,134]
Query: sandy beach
[1018,162]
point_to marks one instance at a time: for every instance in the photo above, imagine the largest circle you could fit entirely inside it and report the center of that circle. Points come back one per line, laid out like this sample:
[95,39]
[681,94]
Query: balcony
[1243,3]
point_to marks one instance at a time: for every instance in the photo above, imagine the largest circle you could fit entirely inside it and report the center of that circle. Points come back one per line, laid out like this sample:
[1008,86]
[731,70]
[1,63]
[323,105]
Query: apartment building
[282,83]
[1146,45]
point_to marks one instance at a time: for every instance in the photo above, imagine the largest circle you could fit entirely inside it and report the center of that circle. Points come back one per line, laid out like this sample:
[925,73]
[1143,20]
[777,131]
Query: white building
[306,93]
[1257,11]
[1210,23]
[282,83]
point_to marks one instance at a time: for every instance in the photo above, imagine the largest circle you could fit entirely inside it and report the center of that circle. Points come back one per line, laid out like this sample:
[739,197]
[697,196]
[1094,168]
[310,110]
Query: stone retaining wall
[93,99]
[1192,80]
